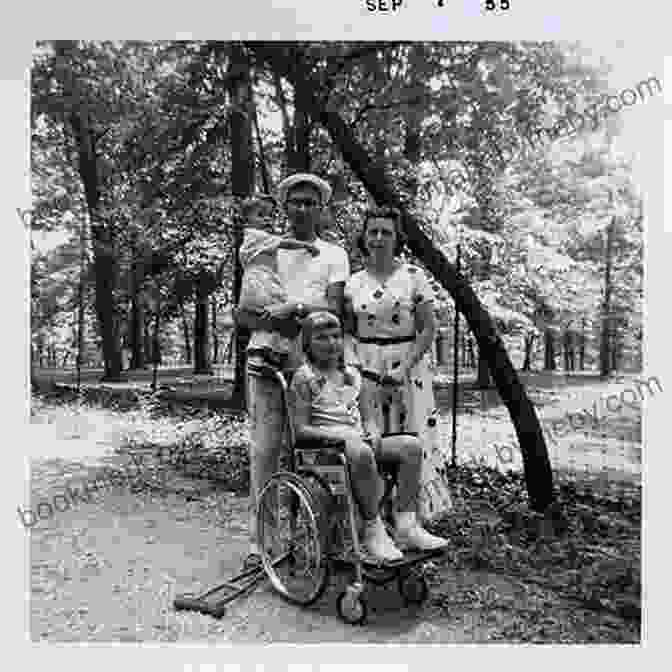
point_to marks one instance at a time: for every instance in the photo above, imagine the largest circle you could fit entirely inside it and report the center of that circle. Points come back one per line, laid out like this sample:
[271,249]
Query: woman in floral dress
[390,312]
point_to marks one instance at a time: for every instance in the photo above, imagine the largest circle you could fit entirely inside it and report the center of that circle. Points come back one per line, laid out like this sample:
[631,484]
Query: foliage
[531,217]
[577,572]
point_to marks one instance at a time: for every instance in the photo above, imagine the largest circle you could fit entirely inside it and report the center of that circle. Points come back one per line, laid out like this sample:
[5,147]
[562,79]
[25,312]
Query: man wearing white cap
[312,282]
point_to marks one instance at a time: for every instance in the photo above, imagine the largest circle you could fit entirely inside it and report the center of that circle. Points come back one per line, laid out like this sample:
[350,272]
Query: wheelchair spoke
[288,528]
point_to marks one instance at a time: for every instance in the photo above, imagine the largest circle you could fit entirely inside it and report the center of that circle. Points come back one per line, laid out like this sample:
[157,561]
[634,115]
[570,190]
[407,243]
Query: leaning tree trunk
[537,466]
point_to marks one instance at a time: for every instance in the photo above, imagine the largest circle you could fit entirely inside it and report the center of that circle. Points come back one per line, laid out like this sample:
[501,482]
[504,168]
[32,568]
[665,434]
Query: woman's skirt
[409,408]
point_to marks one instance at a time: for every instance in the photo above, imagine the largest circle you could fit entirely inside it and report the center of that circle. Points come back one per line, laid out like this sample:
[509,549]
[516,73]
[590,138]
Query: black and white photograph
[336,341]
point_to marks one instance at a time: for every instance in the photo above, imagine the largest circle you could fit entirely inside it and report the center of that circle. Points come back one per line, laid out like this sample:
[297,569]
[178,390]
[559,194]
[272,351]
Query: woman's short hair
[383,213]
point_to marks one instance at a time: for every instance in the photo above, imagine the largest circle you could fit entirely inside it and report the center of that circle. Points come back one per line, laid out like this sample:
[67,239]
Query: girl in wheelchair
[326,400]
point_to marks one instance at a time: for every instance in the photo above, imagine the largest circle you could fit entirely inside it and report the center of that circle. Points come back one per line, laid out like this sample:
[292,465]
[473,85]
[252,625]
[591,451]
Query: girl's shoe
[409,534]
[378,543]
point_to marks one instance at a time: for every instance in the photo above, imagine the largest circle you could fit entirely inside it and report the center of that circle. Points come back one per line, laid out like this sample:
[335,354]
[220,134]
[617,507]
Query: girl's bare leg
[368,491]
[405,451]
[366,482]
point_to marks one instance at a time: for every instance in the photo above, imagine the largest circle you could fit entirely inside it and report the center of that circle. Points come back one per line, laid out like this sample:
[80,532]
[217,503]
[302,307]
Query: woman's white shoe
[409,534]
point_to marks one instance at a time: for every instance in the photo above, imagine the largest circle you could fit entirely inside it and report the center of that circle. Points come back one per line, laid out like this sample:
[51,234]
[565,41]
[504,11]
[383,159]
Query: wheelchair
[307,525]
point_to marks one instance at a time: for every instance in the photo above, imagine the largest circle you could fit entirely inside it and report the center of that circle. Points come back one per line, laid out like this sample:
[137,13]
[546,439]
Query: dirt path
[108,571]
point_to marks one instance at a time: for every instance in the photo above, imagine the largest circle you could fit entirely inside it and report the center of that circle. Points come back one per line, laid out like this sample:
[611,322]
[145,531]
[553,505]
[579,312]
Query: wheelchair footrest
[414,557]
[348,557]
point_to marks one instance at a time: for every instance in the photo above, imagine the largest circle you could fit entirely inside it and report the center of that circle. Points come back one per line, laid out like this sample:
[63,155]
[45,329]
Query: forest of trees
[142,152]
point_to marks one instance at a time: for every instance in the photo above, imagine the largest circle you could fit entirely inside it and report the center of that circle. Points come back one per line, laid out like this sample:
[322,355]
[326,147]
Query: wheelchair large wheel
[292,523]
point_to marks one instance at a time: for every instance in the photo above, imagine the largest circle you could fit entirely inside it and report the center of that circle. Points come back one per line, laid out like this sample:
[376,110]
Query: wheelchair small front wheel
[413,588]
[351,608]
[292,527]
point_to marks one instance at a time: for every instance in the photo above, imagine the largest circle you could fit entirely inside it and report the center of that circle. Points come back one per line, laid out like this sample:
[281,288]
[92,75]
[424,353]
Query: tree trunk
[300,162]
[230,348]
[263,165]
[549,351]
[39,346]
[483,380]
[213,328]
[529,344]
[606,305]
[106,273]
[582,346]
[201,350]
[185,334]
[137,318]
[470,351]
[567,350]
[147,338]
[572,351]
[242,185]
[286,123]
[79,343]
[103,242]
[538,474]
[297,131]
[614,349]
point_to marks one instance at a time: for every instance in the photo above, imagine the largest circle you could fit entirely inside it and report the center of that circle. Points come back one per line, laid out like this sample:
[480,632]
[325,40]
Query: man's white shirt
[306,277]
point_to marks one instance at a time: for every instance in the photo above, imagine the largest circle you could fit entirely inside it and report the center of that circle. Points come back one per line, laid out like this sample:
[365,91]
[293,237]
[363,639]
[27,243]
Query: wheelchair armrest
[320,444]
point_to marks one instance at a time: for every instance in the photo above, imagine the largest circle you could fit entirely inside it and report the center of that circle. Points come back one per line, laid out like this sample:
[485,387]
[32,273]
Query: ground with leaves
[108,570]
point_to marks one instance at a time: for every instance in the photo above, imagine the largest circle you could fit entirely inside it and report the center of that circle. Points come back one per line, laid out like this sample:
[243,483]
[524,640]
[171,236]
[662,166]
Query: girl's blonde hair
[322,319]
